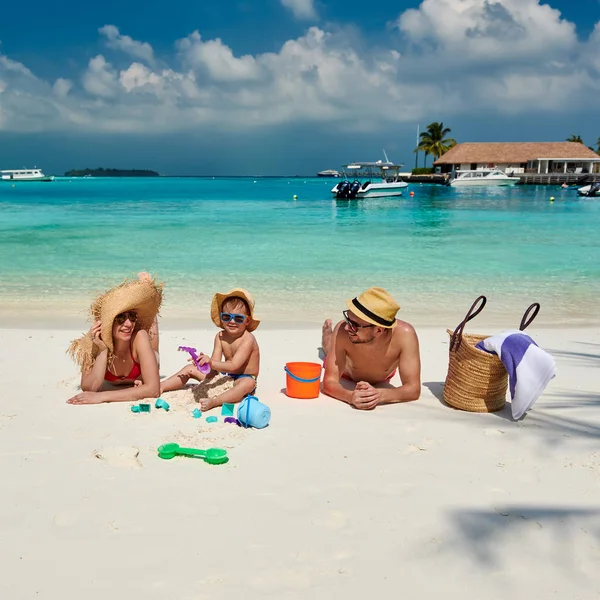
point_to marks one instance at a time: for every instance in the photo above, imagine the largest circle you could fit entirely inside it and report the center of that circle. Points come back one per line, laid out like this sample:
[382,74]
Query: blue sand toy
[211,419]
[227,410]
[137,408]
[253,413]
[160,403]
[196,413]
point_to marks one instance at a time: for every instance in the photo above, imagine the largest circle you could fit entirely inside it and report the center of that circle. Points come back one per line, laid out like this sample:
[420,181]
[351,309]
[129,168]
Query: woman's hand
[86,398]
[96,333]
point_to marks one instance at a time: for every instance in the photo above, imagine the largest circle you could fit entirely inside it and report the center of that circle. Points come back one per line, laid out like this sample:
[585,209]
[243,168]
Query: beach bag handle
[526,320]
[456,338]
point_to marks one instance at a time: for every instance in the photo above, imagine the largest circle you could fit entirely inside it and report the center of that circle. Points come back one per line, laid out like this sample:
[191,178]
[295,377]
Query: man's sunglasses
[239,319]
[354,326]
[122,317]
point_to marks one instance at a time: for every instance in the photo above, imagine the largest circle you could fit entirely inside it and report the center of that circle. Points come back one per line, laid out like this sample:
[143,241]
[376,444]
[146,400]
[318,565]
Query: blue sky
[287,86]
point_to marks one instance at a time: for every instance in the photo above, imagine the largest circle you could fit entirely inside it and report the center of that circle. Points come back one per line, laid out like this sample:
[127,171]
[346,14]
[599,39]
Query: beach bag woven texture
[477,381]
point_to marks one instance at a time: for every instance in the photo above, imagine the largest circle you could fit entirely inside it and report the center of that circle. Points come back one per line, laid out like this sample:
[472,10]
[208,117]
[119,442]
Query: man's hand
[365,396]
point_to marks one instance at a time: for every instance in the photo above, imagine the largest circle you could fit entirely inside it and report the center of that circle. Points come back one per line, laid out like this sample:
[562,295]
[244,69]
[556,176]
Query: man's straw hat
[217,306]
[144,297]
[375,306]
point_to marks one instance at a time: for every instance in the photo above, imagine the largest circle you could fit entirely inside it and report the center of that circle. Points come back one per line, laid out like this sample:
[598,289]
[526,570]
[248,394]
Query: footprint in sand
[493,432]
[335,520]
[120,456]
[279,581]
[422,446]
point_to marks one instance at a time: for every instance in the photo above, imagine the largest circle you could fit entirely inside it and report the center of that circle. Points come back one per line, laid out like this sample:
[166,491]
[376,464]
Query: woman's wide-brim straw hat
[375,306]
[217,306]
[144,297]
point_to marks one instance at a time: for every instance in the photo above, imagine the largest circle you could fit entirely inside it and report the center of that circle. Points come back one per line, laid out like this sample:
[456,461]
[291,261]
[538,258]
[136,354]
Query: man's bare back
[367,354]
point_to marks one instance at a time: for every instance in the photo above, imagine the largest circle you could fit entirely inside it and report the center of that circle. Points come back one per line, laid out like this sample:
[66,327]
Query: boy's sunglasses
[239,319]
[122,317]
[354,326]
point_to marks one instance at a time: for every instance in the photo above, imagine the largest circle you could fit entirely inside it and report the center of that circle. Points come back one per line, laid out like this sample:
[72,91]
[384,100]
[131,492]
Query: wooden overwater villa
[533,162]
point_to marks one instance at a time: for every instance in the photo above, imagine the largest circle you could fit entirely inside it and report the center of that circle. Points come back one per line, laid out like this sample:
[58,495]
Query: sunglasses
[353,325]
[239,319]
[122,317]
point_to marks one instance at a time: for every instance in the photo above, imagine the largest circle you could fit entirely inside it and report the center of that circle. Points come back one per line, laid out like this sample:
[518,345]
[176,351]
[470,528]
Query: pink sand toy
[204,369]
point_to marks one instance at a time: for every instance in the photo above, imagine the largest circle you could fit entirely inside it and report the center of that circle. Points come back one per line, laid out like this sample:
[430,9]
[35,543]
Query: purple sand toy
[232,420]
[204,369]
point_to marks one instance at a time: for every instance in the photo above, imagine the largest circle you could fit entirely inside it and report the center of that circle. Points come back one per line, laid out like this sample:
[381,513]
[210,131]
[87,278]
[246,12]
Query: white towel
[529,367]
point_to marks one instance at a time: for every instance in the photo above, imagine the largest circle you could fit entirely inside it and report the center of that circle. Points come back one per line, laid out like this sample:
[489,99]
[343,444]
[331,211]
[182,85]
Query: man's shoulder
[404,331]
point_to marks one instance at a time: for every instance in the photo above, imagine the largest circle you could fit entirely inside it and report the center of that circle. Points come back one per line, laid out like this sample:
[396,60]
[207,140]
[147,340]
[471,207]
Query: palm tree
[598,146]
[575,138]
[433,141]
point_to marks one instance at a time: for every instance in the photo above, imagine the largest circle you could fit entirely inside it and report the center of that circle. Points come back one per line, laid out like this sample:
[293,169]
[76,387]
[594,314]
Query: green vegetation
[100,172]
[422,171]
[575,138]
[434,142]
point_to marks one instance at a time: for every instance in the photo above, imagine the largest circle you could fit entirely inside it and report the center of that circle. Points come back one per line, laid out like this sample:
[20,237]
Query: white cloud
[100,79]
[302,9]
[124,43]
[452,57]
[217,59]
[488,30]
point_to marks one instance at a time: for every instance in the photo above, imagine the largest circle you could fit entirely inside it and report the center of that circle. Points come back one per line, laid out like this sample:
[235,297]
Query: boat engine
[342,189]
[594,190]
[354,189]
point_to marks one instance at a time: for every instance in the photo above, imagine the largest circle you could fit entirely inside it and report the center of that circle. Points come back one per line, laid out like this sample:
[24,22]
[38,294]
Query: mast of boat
[417,149]
[387,160]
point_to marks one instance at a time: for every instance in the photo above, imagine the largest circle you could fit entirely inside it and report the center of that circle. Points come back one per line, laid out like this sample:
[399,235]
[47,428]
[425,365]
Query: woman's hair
[234,303]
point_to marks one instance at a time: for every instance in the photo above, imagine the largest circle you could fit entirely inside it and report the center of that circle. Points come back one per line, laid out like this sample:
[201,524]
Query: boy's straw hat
[375,306]
[217,306]
[144,297]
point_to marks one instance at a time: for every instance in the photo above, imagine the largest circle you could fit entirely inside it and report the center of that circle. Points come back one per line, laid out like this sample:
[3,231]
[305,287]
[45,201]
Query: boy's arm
[240,358]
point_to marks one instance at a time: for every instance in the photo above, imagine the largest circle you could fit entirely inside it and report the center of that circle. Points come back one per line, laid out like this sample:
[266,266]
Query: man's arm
[409,366]
[334,367]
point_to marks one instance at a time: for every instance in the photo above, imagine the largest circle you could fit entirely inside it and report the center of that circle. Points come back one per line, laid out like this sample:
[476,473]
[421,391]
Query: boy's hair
[234,303]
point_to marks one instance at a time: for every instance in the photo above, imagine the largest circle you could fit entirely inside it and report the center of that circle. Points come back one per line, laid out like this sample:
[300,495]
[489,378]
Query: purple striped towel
[529,367]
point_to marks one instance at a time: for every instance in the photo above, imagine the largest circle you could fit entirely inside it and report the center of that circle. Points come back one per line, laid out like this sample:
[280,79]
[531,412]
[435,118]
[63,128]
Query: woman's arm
[92,380]
[150,387]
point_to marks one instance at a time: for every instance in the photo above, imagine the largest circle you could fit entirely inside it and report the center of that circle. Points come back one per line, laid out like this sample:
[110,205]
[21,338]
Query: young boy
[233,312]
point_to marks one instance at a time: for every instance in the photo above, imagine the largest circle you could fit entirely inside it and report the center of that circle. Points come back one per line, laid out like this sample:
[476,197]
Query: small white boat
[328,173]
[24,175]
[591,191]
[491,177]
[370,180]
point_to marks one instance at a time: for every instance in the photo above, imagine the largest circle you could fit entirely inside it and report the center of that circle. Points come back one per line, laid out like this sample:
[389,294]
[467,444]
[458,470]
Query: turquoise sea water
[62,241]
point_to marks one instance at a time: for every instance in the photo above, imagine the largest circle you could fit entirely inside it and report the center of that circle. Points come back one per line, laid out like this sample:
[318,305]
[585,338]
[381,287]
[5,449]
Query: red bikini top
[135,372]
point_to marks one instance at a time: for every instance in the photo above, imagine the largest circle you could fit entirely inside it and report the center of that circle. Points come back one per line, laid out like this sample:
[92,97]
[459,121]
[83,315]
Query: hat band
[372,315]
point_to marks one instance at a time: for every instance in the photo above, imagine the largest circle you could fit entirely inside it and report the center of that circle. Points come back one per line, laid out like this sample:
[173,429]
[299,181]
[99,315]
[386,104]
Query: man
[365,349]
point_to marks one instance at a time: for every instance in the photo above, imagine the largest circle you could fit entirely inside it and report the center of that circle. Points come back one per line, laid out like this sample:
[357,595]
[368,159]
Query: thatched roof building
[519,157]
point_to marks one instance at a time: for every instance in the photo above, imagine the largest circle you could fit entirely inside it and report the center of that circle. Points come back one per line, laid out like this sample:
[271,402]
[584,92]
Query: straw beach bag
[477,381]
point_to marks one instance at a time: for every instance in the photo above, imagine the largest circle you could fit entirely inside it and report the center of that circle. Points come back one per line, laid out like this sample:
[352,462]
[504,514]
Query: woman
[121,347]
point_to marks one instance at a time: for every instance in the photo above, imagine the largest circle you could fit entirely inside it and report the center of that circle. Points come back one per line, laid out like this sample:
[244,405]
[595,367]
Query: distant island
[100,172]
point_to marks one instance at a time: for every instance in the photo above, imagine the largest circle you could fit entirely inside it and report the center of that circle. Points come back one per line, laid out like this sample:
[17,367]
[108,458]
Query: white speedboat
[369,180]
[481,177]
[328,173]
[592,190]
[24,175]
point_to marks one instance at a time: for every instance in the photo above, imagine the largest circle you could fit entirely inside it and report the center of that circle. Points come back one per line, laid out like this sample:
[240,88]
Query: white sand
[414,500]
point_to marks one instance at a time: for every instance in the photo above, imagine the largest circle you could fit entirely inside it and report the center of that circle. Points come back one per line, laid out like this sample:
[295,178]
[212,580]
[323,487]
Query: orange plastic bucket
[302,380]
